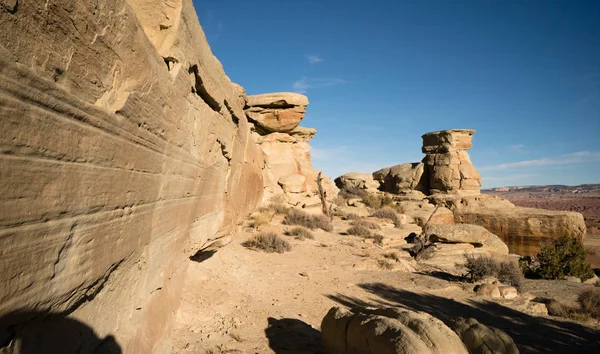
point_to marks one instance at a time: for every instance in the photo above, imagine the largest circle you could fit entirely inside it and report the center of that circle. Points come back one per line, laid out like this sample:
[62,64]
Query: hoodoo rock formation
[288,170]
[124,150]
[447,178]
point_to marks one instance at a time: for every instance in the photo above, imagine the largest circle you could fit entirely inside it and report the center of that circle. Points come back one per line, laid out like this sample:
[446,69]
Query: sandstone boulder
[481,339]
[488,290]
[523,229]
[357,180]
[400,178]
[293,183]
[276,112]
[466,233]
[387,331]
[451,256]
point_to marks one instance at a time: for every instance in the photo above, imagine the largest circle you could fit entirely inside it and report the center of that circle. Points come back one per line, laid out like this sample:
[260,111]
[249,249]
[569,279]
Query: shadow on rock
[51,333]
[531,334]
[291,336]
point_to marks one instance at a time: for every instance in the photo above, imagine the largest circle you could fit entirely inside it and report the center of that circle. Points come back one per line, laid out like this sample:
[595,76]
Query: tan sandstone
[124,149]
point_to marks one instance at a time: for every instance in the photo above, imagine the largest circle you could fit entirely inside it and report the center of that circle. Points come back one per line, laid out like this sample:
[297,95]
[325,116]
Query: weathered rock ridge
[447,178]
[125,149]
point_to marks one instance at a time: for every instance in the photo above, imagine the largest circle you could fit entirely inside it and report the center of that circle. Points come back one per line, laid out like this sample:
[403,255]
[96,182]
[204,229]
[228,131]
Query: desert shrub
[509,273]
[480,267]
[387,213]
[348,193]
[269,242]
[359,231]
[278,208]
[385,264]
[366,223]
[339,200]
[351,216]
[558,309]
[377,201]
[298,217]
[300,232]
[589,301]
[392,255]
[260,219]
[561,257]
[378,239]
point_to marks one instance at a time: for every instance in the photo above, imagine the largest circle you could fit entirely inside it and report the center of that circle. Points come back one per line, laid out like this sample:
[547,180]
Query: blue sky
[379,74]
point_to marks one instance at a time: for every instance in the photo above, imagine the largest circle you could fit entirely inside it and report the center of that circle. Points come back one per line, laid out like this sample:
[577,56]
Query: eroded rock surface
[276,118]
[124,149]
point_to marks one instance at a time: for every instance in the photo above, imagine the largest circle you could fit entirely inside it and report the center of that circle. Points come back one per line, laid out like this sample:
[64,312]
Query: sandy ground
[243,301]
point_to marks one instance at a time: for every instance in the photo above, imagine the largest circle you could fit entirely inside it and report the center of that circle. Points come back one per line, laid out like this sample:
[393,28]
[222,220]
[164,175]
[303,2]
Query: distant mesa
[447,178]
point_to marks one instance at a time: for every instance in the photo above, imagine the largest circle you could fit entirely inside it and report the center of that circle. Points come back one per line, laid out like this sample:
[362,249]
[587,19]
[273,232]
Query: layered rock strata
[124,149]
[287,170]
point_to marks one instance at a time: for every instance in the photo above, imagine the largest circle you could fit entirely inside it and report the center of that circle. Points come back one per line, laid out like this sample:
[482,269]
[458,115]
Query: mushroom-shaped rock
[276,112]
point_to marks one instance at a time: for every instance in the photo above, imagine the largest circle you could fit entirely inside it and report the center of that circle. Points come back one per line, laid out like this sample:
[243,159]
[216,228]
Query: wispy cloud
[574,158]
[313,59]
[304,84]
[516,147]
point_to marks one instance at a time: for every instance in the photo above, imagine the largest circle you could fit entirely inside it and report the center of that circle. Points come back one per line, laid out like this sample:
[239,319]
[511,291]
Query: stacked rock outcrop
[448,164]
[447,178]
[287,167]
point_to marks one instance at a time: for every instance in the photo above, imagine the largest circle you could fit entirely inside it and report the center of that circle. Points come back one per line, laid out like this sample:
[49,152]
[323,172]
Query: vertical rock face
[288,169]
[448,163]
[124,148]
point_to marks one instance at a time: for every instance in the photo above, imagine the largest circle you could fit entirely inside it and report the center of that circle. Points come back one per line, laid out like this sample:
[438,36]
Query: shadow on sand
[292,336]
[531,334]
[36,332]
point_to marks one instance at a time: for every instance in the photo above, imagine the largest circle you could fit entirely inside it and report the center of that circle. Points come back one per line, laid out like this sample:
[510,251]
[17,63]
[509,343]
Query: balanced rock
[401,178]
[276,112]
[448,163]
[481,339]
[387,331]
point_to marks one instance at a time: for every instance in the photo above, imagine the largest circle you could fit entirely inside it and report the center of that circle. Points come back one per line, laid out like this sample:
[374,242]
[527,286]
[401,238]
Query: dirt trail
[244,301]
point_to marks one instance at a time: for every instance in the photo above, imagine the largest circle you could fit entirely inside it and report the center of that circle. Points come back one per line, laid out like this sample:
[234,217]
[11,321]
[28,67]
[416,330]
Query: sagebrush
[300,232]
[298,217]
[481,267]
[387,213]
[269,242]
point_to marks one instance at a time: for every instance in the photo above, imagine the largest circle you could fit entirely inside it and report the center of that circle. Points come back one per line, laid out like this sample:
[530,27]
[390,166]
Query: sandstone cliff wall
[124,148]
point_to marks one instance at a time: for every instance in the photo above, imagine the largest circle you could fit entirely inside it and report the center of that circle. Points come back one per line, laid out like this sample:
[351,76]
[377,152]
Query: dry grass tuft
[269,242]
[360,231]
[298,217]
[258,220]
[385,264]
[351,216]
[236,336]
[589,301]
[378,239]
[366,224]
[300,232]
[388,213]
[393,255]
